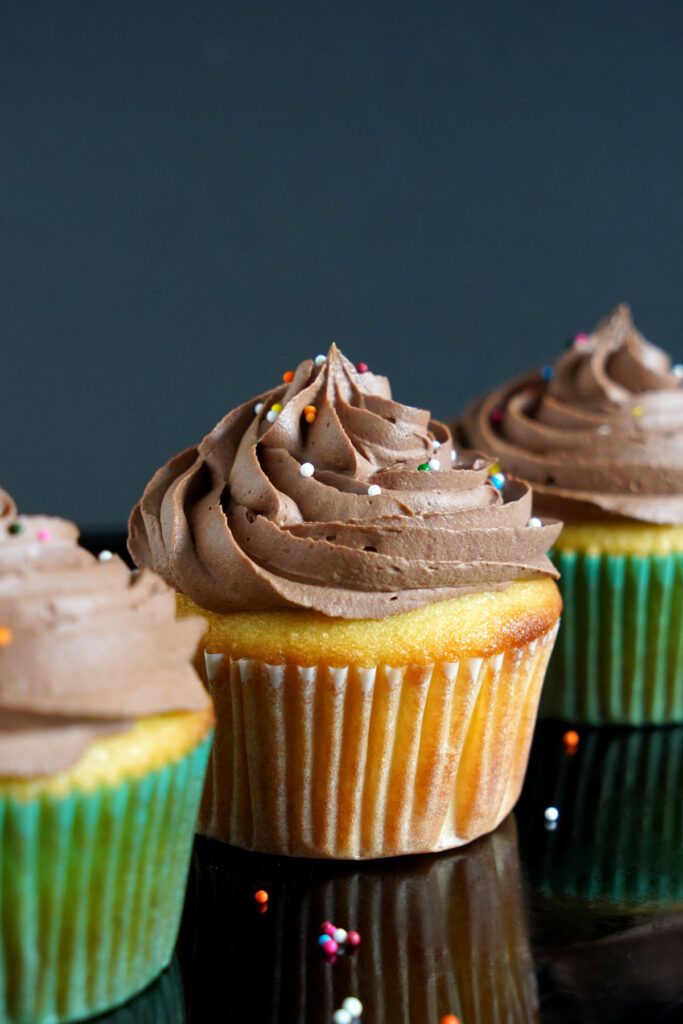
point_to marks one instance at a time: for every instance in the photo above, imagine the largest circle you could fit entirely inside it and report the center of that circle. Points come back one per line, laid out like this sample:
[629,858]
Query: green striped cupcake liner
[618,842]
[619,654]
[91,891]
[161,1003]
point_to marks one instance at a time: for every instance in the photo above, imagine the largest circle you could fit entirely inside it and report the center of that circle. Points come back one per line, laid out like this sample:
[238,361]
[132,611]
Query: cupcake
[600,438]
[379,616]
[104,737]
[438,934]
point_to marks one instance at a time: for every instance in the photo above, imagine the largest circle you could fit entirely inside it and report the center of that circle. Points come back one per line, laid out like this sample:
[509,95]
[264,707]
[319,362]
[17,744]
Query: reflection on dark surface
[161,1003]
[440,934]
[450,933]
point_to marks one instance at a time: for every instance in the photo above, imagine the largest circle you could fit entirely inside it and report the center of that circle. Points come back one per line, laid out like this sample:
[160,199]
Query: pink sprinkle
[362,367]
[327,928]
[497,416]
[44,535]
[581,339]
[353,939]
[330,946]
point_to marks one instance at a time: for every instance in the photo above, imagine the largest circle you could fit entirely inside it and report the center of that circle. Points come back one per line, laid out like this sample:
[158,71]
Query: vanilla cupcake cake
[599,436]
[104,737]
[379,615]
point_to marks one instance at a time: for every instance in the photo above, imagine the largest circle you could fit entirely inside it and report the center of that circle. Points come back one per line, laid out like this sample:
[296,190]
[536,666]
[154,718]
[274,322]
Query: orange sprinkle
[450,1018]
[310,413]
[288,377]
[6,636]
[571,740]
[261,896]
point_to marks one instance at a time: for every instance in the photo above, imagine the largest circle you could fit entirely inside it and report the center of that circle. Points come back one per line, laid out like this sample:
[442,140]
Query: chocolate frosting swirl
[87,647]
[237,525]
[602,438]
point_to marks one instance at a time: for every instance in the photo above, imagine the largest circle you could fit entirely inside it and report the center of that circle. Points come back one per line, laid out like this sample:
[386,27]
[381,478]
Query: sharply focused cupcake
[104,736]
[379,618]
[600,438]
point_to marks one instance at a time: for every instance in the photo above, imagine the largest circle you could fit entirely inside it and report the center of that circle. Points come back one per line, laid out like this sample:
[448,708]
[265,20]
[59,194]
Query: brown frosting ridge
[601,439]
[235,525]
[92,647]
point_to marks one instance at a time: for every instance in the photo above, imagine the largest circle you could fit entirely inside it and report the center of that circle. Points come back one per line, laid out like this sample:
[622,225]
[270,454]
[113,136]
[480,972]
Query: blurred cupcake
[438,934]
[600,438]
[104,736]
[379,619]
[618,840]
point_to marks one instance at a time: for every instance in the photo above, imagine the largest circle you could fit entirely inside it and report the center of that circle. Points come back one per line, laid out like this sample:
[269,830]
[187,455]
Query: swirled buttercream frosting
[85,646]
[326,494]
[599,435]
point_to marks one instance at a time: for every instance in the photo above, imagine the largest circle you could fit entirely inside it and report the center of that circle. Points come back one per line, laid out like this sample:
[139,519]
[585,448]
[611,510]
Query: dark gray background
[193,196]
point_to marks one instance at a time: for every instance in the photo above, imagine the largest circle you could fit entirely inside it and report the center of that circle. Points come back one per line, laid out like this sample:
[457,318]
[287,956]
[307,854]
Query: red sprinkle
[330,946]
[353,939]
[362,367]
[497,416]
[327,928]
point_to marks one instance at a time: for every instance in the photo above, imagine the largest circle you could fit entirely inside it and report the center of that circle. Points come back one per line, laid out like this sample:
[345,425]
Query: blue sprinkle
[547,372]
[323,939]
[497,480]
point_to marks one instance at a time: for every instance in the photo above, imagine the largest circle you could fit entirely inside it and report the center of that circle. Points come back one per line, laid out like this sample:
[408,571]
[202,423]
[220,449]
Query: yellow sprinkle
[5,636]
[637,410]
[495,468]
[277,407]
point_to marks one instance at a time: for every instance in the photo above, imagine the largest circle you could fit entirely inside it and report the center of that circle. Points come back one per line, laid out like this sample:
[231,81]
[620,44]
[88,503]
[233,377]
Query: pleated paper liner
[442,933]
[162,1002]
[619,655]
[316,761]
[619,836]
[91,891]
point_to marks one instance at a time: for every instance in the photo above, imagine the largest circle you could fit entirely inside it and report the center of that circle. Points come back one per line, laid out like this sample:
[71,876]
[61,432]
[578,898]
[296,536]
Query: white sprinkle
[353,1005]
[677,370]
[436,445]
[534,521]
[319,360]
[307,469]
[258,408]
[339,936]
[604,429]
[374,490]
[105,556]
[272,415]
[551,814]
[434,464]
[454,455]
[342,1017]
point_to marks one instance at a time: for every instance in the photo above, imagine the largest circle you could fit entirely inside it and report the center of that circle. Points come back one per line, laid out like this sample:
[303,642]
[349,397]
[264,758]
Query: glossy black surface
[578,924]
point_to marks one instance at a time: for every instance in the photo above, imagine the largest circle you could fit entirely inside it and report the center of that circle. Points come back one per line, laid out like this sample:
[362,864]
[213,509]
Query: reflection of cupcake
[599,437]
[439,934]
[632,974]
[379,614]
[103,745]
[619,836]
[161,1003]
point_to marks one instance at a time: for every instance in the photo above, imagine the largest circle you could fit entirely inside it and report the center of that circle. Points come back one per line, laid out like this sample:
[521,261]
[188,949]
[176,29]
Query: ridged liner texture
[619,656]
[368,762]
[619,838]
[439,934]
[91,891]
[161,1003]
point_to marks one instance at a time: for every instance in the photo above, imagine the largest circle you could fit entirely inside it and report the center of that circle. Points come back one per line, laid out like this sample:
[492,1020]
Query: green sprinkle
[15,528]
[425,465]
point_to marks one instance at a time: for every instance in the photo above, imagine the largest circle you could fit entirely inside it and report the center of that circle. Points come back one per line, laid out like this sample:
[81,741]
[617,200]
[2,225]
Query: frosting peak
[87,646]
[325,493]
[599,435]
